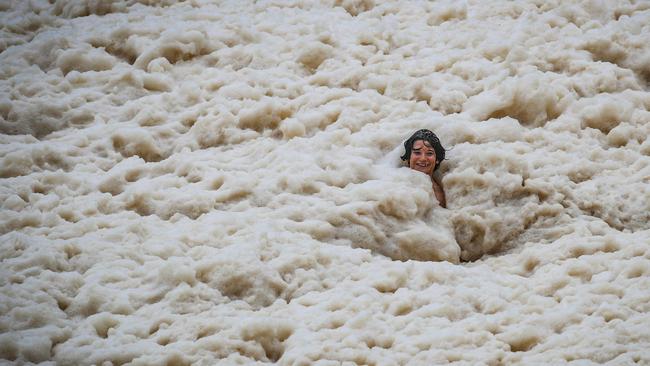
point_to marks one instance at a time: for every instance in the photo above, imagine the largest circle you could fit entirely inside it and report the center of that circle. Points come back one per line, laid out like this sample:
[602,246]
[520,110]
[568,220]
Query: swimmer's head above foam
[424,152]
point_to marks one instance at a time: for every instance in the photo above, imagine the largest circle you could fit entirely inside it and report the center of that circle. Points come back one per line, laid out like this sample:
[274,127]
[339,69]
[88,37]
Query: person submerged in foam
[424,153]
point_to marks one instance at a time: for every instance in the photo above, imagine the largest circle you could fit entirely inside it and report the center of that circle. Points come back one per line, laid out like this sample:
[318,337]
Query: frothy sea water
[219,182]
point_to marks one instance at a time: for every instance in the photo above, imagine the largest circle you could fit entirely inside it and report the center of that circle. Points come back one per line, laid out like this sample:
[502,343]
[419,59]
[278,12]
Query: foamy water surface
[219,182]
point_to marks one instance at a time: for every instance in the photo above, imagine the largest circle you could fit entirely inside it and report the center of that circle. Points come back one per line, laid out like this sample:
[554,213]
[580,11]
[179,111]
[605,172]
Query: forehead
[419,144]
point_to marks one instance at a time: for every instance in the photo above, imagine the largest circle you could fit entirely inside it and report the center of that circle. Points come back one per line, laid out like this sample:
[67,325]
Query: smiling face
[423,157]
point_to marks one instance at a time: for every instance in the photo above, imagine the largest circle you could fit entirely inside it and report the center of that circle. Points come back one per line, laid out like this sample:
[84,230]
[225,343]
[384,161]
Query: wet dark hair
[431,138]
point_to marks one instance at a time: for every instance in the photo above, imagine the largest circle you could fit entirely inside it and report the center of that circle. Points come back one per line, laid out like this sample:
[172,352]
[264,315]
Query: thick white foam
[197,183]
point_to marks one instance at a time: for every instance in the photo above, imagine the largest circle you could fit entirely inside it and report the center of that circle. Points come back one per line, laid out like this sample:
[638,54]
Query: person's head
[423,151]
